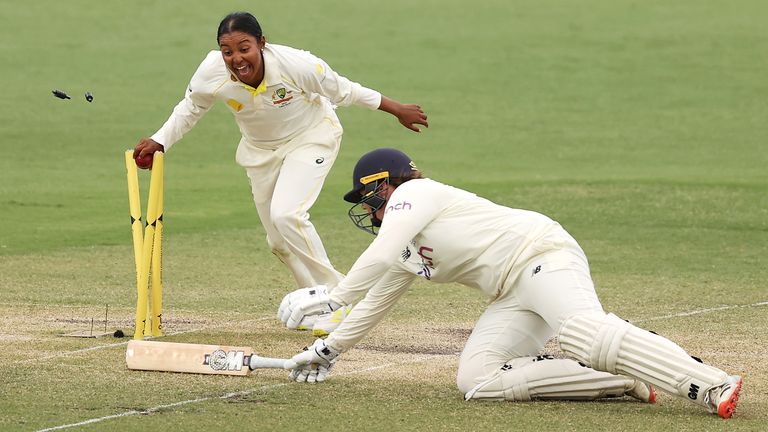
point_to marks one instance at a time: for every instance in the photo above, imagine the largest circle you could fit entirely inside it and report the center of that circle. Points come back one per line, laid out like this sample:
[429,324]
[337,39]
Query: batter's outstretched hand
[147,146]
[409,115]
[313,364]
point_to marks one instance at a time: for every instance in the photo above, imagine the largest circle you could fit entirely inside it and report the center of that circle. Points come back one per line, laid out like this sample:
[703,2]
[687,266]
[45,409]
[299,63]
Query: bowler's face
[242,55]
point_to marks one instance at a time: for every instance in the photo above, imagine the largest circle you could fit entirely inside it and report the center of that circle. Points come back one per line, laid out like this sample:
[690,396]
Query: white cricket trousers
[285,183]
[551,287]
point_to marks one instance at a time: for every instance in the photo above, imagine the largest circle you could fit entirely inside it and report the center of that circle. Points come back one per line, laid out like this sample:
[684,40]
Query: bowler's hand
[147,146]
[408,115]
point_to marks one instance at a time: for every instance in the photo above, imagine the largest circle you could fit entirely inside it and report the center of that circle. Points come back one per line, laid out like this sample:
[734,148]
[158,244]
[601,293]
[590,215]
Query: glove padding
[313,364]
[326,323]
[310,374]
[308,309]
[284,311]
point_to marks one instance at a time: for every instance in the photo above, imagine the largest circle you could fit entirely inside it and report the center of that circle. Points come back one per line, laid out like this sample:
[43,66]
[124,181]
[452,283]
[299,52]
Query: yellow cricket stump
[147,248]
[157,249]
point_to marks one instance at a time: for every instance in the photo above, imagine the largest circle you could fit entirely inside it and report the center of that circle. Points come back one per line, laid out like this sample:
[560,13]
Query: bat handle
[258,362]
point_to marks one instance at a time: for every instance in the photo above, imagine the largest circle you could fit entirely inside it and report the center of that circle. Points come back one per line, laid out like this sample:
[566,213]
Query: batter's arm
[371,309]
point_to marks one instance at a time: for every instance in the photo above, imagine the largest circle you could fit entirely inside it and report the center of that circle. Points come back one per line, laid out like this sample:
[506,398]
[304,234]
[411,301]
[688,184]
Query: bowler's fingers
[146,146]
[413,116]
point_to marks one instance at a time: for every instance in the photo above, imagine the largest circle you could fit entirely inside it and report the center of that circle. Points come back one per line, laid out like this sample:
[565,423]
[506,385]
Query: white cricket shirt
[298,91]
[443,234]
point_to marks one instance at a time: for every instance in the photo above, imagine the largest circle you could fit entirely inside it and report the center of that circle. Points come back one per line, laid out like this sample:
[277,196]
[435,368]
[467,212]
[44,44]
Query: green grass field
[640,126]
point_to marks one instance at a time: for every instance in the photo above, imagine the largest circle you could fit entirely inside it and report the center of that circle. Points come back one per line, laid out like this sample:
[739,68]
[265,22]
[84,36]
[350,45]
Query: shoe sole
[728,406]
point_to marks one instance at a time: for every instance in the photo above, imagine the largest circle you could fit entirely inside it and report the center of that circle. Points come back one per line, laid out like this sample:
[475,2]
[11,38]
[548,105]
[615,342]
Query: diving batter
[536,278]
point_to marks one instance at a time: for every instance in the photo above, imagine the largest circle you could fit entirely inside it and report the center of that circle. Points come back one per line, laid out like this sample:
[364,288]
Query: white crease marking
[372,368]
[204,399]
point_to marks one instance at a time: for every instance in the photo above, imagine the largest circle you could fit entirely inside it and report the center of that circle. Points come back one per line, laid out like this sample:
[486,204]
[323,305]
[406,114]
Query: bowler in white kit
[536,278]
[283,101]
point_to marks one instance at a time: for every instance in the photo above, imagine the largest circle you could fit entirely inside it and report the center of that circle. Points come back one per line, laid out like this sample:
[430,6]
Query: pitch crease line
[99,347]
[701,311]
[372,368]
[96,348]
[204,399]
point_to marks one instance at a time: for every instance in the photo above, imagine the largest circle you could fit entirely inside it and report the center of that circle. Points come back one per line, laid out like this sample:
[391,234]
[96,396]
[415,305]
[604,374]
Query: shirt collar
[271,72]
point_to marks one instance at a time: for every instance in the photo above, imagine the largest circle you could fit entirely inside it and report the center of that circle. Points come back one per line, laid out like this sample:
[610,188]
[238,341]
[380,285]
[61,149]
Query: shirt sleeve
[410,208]
[198,99]
[315,75]
[371,310]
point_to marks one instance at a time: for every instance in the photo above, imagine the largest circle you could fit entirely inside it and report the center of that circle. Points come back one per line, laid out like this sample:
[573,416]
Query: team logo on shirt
[281,97]
[427,264]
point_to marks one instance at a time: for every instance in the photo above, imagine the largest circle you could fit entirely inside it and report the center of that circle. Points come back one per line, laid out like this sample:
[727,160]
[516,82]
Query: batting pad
[540,377]
[608,343]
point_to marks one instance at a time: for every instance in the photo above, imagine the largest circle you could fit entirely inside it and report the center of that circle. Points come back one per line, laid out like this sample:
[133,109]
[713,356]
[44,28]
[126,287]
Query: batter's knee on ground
[607,343]
[466,381]
[476,367]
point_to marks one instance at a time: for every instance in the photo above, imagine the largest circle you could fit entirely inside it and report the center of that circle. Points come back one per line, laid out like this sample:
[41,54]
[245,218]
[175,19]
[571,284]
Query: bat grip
[258,362]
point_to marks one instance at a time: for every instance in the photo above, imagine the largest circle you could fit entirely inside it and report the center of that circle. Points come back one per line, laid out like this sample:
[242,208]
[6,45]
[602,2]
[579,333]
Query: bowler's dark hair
[239,21]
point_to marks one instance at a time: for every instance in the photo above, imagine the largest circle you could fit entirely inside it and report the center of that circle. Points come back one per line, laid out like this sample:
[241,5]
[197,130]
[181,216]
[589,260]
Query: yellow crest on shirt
[237,106]
[319,69]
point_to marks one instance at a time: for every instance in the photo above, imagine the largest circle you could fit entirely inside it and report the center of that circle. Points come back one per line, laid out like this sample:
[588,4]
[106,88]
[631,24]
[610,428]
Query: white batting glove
[313,364]
[306,311]
[283,312]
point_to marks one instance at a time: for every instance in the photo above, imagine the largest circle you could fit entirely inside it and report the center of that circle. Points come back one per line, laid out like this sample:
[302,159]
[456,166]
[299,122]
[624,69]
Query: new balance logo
[693,392]
[406,254]
[535,271]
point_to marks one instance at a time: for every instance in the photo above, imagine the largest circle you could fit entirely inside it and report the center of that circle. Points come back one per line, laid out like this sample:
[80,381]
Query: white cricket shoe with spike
[642,392]
[722,400]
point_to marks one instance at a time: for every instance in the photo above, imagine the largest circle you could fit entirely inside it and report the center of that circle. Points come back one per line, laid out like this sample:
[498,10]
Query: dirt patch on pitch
[406,349]
[400,339]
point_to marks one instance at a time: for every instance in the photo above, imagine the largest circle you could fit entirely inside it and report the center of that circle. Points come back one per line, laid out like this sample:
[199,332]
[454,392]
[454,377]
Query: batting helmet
[374,166]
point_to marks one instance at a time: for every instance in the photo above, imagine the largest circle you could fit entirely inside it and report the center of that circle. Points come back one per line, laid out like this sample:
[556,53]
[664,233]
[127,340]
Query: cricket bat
[195,358]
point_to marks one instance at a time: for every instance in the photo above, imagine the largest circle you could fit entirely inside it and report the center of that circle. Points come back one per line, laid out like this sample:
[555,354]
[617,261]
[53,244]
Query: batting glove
[308,310]
[284,311]
[326,323]
[314,363]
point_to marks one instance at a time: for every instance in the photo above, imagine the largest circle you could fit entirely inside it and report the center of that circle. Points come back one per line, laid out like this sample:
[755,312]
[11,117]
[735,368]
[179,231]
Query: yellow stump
[147,248]
[157,249]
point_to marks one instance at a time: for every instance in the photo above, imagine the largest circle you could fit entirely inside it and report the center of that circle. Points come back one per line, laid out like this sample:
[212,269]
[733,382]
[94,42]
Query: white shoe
[643,392]
[722,399]
[326,323]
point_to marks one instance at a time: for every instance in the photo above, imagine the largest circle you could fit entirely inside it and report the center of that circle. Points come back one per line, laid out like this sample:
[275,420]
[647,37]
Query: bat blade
[194,358]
